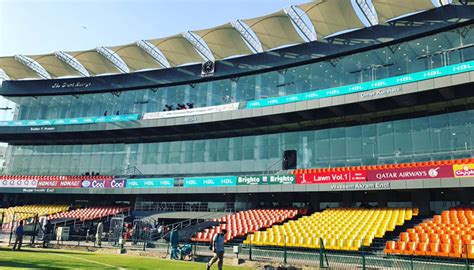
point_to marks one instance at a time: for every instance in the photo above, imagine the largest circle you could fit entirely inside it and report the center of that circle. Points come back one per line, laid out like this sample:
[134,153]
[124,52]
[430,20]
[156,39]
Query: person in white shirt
[217,246]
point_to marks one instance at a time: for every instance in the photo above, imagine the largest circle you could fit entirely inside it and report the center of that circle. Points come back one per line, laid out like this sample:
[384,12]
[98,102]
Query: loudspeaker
[289,160]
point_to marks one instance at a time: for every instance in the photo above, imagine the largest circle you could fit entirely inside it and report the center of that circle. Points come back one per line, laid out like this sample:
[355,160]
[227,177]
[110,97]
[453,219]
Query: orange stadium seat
[447,235]
[245,222]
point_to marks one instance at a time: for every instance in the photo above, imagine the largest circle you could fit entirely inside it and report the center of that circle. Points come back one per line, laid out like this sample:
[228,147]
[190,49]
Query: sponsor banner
[116,183]
[71,121]
[189,112]
[98,183]
[425,172]
[48,183]
[93,183]
[463,170]
[266,180]
[211,181]
[367,86]
[331,177]
[70,183]
[150,183]
[23,183]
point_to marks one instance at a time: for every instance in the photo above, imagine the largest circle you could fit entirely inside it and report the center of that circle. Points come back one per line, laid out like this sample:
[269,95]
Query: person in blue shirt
[174,241]
[217,246]
[19,232]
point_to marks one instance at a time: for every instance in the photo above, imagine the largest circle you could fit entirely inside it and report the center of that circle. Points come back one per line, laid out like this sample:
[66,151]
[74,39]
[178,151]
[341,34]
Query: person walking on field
[19,232]
[98,234]
[48,230]
[217,245]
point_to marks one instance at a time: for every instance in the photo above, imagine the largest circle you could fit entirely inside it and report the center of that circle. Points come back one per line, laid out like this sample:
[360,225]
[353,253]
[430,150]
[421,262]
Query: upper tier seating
[90,213]
[340,229]
[386,166]
[55,177]
[242,223]
[450,234]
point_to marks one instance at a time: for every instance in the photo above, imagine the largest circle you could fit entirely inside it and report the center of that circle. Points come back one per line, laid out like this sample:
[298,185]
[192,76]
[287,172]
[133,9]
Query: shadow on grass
[45,251]
[28,265]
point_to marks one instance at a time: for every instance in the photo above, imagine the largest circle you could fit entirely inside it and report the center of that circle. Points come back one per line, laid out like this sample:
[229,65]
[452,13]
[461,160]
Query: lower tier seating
[450,234]
[29,211]
[242,223]
[26,212]
[339,229]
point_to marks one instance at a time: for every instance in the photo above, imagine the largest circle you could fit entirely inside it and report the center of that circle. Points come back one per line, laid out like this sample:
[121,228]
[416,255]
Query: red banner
[48,183]
[70,183]
[331,177]
[426,172]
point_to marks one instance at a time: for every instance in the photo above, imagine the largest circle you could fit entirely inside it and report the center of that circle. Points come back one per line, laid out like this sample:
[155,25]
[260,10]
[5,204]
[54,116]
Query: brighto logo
[249,180]
[433,172]
[281,179]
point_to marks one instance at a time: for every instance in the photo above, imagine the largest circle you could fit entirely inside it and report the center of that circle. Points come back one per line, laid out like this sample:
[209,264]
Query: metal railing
[183,207]
[326,256]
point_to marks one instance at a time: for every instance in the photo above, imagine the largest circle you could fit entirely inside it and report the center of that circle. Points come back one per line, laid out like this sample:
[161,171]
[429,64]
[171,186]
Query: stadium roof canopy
[315,20]
[326,21]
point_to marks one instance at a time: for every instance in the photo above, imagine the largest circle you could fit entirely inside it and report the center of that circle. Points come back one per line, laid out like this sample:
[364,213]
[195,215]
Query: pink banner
[425,172]
[331,177]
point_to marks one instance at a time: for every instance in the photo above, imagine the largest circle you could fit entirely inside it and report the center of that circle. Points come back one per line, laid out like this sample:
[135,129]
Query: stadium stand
[28,211]
[90,213]
[450,234]
[386,166]
[245,222]
[340,229]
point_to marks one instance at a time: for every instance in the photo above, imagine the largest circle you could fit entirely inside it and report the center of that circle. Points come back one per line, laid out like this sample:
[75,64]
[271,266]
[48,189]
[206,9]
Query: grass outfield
[67,259]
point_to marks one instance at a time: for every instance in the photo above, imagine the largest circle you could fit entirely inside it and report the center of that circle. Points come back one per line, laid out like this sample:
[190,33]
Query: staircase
[379,245]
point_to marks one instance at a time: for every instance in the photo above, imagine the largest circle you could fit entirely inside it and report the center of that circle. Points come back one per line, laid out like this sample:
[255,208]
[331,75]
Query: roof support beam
[69,60]
[200,47]
[33,65]
[248,37]
[368,11]
[3,76]
[153,52]
[114,59]
[300,24]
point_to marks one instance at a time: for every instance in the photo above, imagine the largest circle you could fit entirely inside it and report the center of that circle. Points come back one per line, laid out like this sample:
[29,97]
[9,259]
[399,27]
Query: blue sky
[43,26]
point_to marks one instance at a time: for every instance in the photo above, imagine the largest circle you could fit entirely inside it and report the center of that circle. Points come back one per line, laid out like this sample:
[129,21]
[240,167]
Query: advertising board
[246,180]
[211,181]
[150,183]
[23,183]
[331,177]
[463,170]
[98,183]
[425,172]
[71,121]
[190,112]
